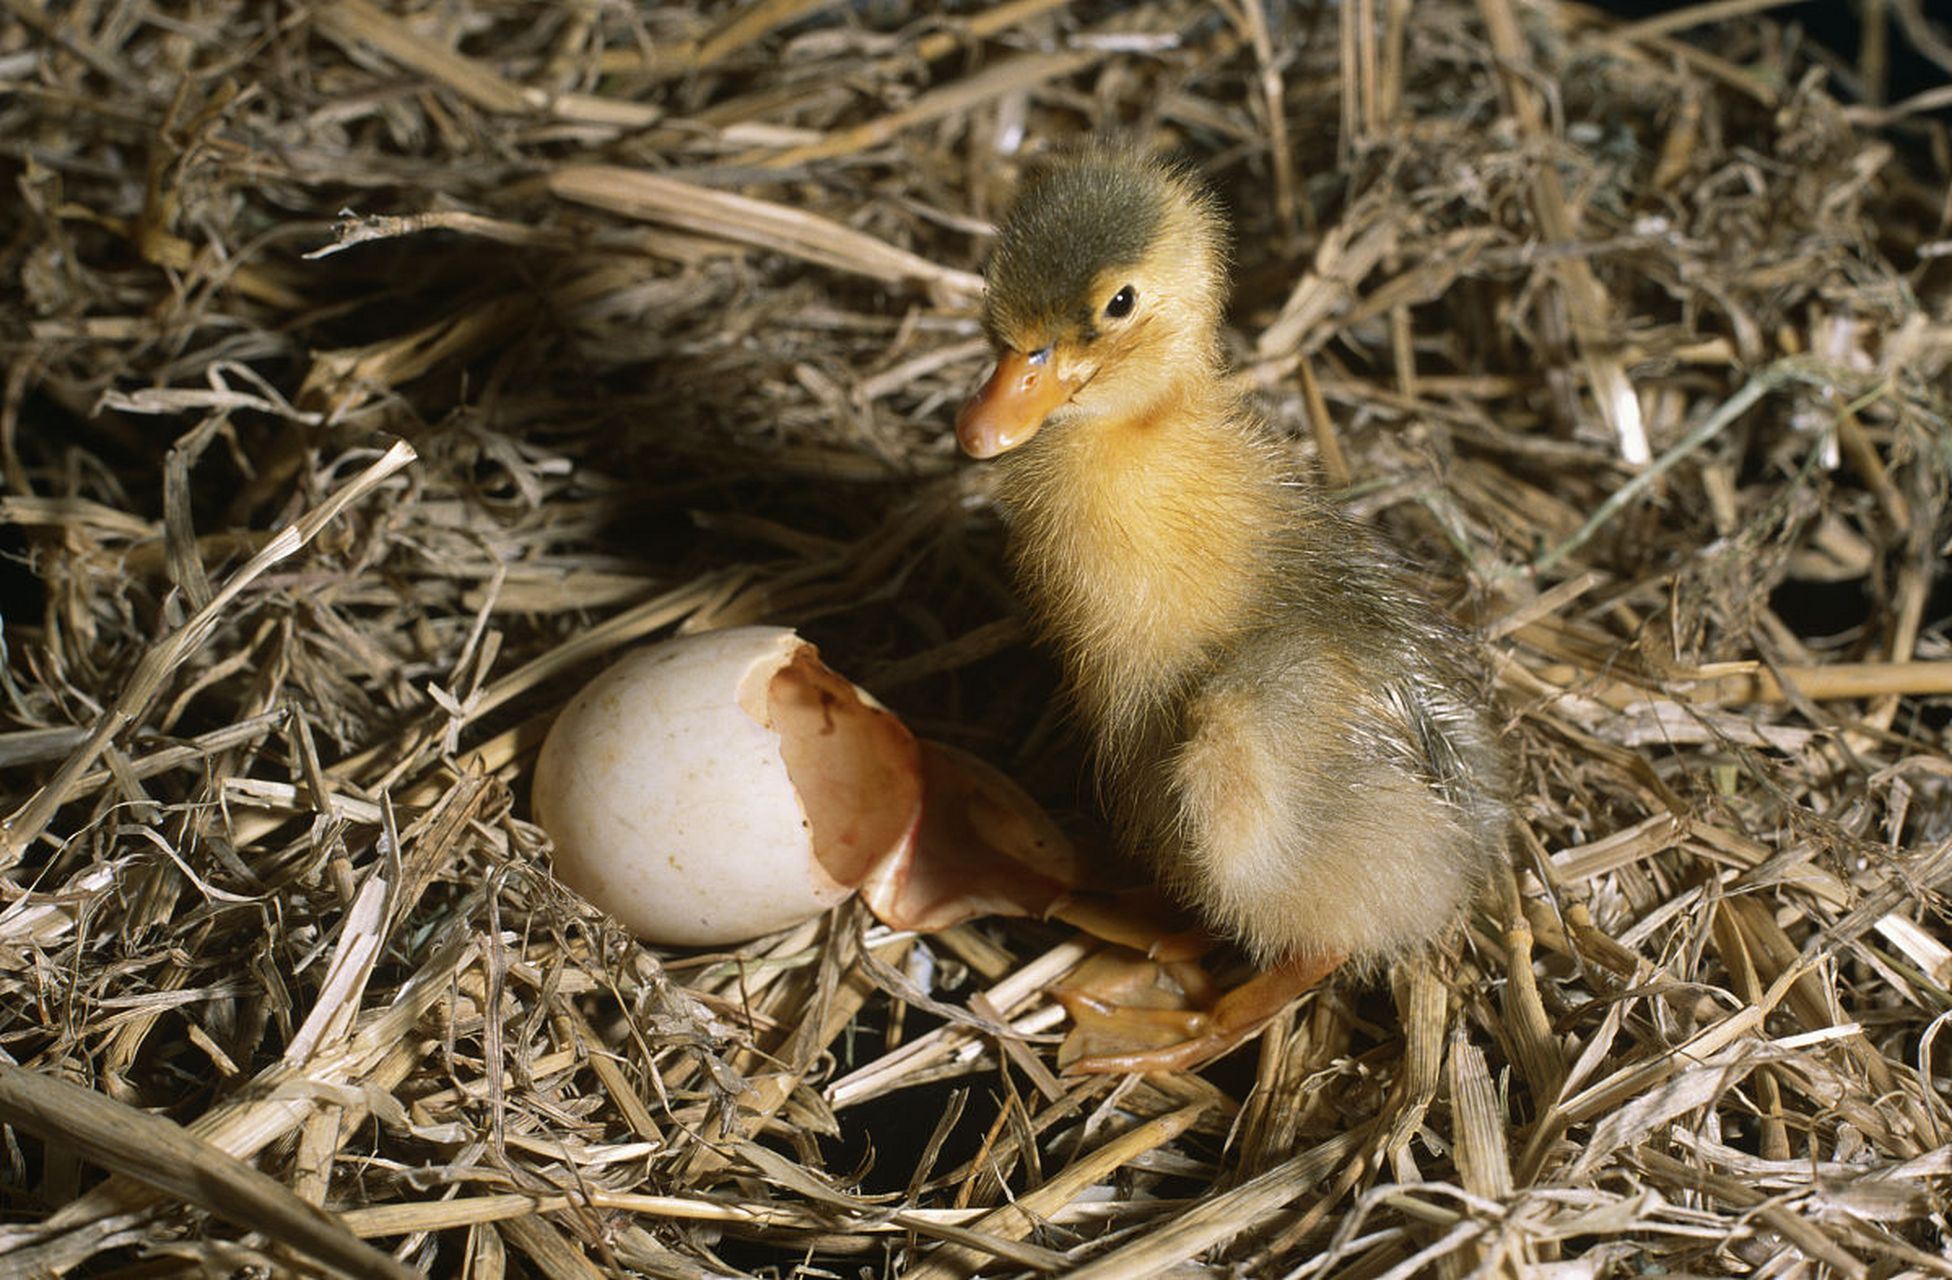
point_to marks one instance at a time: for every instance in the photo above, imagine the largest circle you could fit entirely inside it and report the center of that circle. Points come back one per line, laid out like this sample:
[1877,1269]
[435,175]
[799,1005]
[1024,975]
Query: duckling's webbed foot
[1177,1039]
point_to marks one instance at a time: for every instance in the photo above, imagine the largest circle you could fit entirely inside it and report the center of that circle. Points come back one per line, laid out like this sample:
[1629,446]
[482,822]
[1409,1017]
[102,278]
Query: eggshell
[717,787]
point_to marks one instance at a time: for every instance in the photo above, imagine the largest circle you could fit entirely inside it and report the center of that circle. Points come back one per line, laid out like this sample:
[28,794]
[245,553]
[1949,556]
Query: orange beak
[1011,406]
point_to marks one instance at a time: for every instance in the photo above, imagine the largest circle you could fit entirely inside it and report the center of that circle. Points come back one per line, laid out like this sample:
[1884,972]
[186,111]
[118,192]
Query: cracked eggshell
[717,787]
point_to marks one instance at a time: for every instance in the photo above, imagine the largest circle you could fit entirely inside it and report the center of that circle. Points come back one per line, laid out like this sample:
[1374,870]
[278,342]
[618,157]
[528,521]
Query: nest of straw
[378,372]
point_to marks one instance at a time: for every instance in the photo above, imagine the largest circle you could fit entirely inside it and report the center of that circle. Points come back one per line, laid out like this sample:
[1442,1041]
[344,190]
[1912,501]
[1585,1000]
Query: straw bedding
[375,373]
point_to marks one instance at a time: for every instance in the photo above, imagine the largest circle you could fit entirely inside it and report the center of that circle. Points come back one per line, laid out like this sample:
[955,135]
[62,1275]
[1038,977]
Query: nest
[380,373]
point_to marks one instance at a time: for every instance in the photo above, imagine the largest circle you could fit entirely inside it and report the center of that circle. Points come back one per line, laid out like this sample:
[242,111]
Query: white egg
[717,787]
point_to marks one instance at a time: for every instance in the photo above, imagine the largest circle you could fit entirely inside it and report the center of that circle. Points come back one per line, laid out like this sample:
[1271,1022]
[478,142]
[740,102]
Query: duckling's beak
[1012,404]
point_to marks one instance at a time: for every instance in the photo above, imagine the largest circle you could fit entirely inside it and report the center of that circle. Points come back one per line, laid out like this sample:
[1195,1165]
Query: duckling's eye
[1122,303]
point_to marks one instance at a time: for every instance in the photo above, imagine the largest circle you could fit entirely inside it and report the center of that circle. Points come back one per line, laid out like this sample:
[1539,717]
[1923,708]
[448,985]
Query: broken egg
[717,787]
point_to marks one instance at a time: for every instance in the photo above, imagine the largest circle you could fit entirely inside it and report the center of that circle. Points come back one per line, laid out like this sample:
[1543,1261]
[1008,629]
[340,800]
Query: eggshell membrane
[983,848]
[717,787]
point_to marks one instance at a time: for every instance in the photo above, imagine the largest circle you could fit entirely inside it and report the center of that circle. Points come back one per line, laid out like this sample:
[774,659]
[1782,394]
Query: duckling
[1296,741]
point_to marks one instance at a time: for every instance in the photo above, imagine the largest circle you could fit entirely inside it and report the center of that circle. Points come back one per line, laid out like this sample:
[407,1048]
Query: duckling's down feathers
[1326,779]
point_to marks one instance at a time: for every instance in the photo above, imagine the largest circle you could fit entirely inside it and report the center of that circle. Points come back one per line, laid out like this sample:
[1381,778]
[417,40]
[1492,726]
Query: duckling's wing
[1428,724]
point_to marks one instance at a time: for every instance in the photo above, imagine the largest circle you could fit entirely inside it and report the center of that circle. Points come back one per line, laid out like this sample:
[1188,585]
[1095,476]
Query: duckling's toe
[1176,1040]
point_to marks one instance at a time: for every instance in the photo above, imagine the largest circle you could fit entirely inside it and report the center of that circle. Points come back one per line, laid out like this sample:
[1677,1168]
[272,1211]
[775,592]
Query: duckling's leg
[1203,1034]
[1142,919]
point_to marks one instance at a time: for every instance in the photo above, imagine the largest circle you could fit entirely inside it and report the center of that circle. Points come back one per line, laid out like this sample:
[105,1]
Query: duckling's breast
[1140,548]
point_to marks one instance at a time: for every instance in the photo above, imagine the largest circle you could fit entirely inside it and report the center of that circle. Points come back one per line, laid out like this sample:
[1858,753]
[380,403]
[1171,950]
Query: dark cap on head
[1081,213]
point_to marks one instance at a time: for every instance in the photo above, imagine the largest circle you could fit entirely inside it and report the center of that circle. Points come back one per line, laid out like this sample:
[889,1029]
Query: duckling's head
[1105,292]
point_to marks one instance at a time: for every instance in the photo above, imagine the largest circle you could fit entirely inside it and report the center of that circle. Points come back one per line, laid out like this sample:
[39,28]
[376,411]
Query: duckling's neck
[1142,540]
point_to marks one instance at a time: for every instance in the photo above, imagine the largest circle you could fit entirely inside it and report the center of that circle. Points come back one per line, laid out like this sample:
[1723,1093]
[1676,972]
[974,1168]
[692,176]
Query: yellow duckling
[1296,741]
